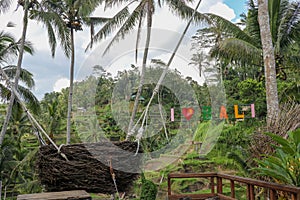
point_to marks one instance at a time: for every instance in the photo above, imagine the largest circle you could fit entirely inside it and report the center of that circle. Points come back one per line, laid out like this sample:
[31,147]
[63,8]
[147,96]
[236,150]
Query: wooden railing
[216,189]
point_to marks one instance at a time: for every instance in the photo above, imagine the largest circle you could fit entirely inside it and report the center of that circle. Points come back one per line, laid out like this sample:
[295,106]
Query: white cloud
[222,10]
[60,84]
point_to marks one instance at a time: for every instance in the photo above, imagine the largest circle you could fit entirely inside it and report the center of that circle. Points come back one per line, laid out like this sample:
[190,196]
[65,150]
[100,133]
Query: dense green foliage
[149,189]
[97,98]
[284,165]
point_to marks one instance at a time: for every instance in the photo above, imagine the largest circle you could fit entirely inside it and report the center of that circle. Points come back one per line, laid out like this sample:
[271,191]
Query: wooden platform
[69,195]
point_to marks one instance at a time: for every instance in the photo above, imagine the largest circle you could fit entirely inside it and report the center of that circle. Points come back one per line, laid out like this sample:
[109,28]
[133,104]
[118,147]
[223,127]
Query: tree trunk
[69,115]
[17,76]
[142,77]
[269,61]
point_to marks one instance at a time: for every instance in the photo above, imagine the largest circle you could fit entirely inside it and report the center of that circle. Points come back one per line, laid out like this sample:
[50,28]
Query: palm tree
[27,79]
[243,47]
[27,96]
[17,167]
[269,60]
[53,114]
[125,21]
[8,50]
[31,9]
[74,14]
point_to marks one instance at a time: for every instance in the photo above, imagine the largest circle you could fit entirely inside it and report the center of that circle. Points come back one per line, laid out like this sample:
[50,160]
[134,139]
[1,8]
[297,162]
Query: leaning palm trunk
[269,61]
[158,84]
[18,72]
[69,116]
[33,121]
[142,77]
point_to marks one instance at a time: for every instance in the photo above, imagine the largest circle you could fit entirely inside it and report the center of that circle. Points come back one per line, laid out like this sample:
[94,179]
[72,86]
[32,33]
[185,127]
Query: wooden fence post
[219,185]
[232,189]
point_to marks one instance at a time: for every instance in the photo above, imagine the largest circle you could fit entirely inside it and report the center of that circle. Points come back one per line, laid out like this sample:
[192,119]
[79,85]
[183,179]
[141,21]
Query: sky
[52,74]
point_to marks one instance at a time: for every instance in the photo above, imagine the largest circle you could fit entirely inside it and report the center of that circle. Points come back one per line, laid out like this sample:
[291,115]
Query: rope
[36,133]
[113,176]
[131,132]
[29,115]
[156,89]
[162,117]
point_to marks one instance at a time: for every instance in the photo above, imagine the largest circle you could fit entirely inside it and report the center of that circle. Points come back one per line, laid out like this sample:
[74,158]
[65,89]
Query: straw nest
[89,167]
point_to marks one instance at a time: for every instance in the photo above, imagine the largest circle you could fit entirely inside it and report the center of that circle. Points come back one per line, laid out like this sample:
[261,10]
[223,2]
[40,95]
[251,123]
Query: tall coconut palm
[269,60]
[74,14]
[244,47]
[8,49]
[26,5]
[34,10]
[125,21]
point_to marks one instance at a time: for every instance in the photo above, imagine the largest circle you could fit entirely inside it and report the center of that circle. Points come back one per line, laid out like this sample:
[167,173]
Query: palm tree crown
[243,46]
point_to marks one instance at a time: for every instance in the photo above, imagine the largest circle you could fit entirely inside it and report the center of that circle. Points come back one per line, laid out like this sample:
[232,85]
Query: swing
[88,166]
[83,166]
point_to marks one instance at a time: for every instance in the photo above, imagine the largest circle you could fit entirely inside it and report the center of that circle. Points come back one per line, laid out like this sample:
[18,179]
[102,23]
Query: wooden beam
[224,197]
[64,195]
[192,196]
[274,186]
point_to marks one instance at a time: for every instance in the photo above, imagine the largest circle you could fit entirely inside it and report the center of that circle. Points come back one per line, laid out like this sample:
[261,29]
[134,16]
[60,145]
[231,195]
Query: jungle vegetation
[263,147]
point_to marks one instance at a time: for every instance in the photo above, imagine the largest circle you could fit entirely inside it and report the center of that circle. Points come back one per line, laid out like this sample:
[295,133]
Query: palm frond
[95,20]
[7,46]
[181,9]
[25,76]
[111,25]
[113,3]
[231,29]
[86,7]
[4,92]
[237,50]
[274,14]
[252,26]
[159,62]
[51,34]
[127,26]
[28,47]
[29,98]
[6,37]
[54,5]
[53,21]
[92,22]
[289,28]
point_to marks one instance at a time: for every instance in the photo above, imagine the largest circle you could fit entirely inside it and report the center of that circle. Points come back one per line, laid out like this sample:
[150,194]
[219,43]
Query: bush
[149,189]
